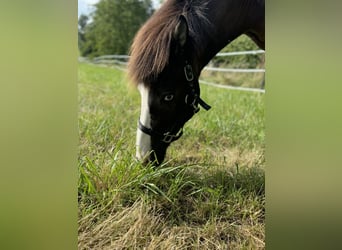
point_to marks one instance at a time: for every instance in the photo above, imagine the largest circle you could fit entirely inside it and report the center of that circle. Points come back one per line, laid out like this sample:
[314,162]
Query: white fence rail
[234,70]
[232,87]
[237,53]
[122,60]
[111,57]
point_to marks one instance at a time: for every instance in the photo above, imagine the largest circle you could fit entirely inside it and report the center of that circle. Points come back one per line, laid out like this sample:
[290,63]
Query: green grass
[209,193]
[249,80]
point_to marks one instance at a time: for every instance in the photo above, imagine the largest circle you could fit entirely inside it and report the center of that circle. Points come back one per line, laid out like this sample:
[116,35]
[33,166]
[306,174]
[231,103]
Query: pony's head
[167,56]
[162,66]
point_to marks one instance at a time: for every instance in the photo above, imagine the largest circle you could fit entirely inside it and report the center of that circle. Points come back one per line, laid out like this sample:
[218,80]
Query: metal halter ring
[189,74]
[193,104]
[164,137]
[168,137]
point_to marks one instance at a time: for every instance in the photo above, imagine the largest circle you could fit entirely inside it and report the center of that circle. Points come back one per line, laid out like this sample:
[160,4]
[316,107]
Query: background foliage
[111,27]
[252,61]
[242,43]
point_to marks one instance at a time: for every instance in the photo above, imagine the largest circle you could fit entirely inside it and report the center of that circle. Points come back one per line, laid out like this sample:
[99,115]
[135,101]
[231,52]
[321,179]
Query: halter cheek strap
[196,99]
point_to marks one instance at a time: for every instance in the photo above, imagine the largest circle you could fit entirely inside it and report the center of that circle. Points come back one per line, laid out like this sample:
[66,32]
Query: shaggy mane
[150,51]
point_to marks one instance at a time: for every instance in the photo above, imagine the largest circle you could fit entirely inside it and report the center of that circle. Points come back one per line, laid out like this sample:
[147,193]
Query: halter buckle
[189,74]
[168,137]
[193,104]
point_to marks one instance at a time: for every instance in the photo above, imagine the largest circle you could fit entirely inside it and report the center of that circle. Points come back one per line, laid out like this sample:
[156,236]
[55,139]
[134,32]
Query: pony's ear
[180,34]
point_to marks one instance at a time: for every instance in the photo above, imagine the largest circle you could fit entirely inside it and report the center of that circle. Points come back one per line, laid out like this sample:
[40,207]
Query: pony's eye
[168,97]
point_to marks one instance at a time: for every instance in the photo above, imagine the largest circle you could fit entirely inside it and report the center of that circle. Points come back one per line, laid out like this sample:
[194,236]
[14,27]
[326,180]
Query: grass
[209,193]
[249,80]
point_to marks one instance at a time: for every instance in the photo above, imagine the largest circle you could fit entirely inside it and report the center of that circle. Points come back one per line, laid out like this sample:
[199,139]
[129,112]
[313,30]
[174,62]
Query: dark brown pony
[168,54]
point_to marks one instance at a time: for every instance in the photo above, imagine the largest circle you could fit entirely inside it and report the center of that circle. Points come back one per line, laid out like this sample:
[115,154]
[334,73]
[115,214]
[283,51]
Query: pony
[167,56]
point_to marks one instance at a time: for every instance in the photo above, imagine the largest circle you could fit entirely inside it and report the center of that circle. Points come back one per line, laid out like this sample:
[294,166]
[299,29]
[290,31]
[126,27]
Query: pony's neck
[229,20]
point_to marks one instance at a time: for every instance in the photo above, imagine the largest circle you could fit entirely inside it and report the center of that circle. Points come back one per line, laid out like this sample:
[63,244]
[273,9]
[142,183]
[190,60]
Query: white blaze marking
[143,143]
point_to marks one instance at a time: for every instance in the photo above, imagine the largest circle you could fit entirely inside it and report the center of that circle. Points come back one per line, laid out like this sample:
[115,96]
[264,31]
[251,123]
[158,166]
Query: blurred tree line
[112,26]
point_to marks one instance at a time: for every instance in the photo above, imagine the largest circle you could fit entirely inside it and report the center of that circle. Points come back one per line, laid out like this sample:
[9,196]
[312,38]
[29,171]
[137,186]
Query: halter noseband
[192,99]
[164,137]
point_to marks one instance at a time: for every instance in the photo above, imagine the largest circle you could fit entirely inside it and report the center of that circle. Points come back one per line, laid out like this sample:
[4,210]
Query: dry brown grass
[140,227]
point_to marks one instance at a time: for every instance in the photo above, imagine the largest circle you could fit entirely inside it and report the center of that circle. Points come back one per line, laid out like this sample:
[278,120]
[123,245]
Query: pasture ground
[210,192]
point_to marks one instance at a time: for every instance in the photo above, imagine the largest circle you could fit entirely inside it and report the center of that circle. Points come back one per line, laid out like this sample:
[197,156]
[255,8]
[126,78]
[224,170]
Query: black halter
[192,99]
[167,137]
[196,99]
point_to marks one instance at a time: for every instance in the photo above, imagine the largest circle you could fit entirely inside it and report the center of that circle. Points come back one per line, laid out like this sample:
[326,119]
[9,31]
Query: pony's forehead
[141,86]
